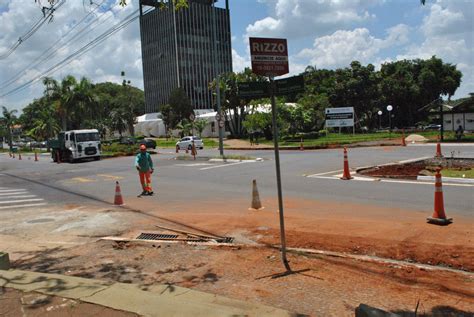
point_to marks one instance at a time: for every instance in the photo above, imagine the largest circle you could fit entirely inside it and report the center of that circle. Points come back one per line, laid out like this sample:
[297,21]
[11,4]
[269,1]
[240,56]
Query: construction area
[357,236]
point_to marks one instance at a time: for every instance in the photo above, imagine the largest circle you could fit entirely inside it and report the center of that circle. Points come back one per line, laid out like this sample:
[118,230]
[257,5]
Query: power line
[33,29]
[119,26]
[41,58]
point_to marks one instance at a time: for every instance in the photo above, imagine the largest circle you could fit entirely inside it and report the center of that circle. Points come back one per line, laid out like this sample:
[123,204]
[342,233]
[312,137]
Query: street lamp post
[380,119]
[389,109]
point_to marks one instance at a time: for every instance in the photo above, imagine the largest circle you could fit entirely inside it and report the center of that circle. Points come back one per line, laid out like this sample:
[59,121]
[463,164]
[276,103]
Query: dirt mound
[415,138]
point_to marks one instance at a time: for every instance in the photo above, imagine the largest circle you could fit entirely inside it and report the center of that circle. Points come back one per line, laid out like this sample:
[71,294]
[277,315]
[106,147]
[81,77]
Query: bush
[122,149]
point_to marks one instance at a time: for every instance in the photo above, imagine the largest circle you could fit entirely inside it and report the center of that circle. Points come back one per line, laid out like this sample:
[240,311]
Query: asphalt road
[180,181]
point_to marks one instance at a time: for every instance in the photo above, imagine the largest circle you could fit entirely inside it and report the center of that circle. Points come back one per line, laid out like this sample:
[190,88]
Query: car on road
[127,140]
[187,143]
[432,127]
[150,143]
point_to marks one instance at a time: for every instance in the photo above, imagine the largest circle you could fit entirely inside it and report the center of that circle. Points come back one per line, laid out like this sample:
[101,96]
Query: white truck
[75,145]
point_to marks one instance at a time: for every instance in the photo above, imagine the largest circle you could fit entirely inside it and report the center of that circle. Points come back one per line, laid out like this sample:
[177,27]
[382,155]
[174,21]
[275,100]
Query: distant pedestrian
[144,165]
[459,133]
[251,138]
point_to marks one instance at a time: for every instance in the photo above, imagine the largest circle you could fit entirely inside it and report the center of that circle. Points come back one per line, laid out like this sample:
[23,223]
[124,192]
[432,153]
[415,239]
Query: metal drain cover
[156,236]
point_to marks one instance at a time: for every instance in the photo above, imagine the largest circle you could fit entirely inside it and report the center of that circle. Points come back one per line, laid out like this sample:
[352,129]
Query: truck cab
[76,145]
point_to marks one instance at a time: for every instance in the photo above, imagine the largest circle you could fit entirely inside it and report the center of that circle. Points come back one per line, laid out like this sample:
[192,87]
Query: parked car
[187,143]
[127,140]
[432,127]
[150,143]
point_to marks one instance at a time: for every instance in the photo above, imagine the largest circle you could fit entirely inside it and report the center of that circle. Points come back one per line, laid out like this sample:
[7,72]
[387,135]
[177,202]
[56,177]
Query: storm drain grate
[156,236]
[225,240]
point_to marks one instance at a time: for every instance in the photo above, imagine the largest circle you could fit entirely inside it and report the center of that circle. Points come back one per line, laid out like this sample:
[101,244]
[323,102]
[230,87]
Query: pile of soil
[413,170]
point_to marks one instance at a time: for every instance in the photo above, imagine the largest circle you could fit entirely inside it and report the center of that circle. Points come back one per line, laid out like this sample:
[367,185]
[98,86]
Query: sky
[321,33]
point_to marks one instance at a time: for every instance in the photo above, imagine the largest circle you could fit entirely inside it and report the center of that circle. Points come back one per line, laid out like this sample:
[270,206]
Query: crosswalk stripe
[14,193]
[18,196]
[20,201]
[22,206]
[10,190]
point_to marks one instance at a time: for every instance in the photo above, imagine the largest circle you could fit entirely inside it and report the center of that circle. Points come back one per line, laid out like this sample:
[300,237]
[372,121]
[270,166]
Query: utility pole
[218,88]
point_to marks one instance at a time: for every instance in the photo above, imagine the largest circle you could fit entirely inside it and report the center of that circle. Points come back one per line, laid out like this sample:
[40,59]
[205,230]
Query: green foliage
[200,125]
[181,107]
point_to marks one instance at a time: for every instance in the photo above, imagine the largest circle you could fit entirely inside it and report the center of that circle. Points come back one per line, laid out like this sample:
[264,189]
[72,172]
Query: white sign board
[339,117]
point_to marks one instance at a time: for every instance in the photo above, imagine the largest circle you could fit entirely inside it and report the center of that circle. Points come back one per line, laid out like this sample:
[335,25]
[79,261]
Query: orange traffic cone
[36,156]
[438,149]
[187,151]
[403,138]
[19,156]
[439,217]
[346,175]
[118,195]
[256,204]
[301,145]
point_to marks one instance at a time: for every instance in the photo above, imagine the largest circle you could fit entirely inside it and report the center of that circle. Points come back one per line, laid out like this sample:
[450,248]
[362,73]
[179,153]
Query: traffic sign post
[270,58]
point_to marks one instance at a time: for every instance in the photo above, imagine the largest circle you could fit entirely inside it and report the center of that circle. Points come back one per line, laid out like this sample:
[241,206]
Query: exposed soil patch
[414,169]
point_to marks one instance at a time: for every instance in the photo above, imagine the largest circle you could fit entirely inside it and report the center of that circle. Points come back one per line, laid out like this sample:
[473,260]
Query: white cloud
[239,63]
[121,51]
[342,47]
[300,18]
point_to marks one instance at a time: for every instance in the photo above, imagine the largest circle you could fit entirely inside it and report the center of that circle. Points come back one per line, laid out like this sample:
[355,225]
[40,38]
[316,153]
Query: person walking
[144,166]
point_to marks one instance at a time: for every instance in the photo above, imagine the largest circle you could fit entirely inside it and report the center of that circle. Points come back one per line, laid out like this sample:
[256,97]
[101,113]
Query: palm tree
[61,95]
[45,126]
[8,120]
[83,100]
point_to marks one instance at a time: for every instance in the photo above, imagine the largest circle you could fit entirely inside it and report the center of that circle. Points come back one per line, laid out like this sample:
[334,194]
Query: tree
[45,126]
[180,105]
[233,106]
[8,120]
[185,127]
[200,125]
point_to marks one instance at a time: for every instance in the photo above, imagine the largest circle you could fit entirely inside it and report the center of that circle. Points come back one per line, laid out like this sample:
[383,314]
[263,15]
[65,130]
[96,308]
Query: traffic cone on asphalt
[347,174]
[118,195]
[301,145]
[439,217]
[19,156]
[403,138]
[256,204]
[36,156]
[187,151]
[438,149]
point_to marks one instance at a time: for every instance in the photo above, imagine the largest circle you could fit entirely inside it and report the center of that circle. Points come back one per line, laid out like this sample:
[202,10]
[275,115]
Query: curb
[156,300]
[447,179]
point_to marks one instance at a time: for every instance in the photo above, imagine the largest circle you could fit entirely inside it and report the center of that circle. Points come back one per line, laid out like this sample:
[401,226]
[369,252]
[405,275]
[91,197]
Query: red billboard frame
[269,56]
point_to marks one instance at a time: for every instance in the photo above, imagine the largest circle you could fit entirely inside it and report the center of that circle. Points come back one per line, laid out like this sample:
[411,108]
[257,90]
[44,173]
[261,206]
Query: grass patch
[458,173]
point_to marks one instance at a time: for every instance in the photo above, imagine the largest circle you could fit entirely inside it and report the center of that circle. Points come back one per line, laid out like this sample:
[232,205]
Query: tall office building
[178,50]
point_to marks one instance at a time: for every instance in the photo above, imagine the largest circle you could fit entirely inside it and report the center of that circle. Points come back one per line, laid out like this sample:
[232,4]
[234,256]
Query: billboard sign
[269,56]
[339,117]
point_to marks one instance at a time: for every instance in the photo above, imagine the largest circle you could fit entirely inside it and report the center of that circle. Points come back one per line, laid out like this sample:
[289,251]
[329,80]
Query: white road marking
[320,174]
[11,190]
[224,165]
[14,193]
[193,164]
[20,201]
[18,196]
[366,179]
[23,206]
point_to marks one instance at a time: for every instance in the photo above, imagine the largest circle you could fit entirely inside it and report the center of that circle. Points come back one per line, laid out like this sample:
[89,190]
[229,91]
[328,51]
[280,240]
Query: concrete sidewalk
[155,300]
